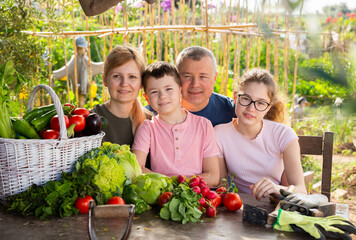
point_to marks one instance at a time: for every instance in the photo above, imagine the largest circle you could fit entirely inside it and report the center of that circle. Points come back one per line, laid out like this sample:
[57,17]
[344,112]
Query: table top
[227,225]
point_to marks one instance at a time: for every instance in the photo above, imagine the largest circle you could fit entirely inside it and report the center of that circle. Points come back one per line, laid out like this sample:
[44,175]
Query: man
[299,111]
[198,71]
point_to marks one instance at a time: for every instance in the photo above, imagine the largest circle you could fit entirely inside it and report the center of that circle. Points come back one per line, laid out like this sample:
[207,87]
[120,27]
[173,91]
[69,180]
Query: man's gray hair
[195,53]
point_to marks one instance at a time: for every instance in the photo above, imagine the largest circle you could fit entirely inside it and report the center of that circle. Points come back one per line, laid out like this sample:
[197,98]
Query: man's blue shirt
[220,109]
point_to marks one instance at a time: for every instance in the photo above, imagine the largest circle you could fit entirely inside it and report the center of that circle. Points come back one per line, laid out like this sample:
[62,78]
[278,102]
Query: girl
[122,76]
[256,145]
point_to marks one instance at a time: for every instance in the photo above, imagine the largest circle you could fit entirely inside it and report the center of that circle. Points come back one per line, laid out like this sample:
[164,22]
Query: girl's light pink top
[254,159]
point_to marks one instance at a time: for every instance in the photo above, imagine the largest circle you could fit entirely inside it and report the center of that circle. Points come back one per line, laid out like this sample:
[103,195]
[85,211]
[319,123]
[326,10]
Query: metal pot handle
[110,211]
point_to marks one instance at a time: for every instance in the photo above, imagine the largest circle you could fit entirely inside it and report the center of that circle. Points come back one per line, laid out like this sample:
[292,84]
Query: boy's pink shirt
[177,149]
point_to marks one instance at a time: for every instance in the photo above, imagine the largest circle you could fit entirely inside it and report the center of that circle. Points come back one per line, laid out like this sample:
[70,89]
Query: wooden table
[147,226]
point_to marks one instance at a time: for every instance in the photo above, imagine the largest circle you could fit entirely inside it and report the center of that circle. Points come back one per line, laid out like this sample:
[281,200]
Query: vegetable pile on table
[101,174]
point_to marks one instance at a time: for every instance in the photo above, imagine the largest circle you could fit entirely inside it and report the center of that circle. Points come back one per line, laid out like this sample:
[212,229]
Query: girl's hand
[264,188]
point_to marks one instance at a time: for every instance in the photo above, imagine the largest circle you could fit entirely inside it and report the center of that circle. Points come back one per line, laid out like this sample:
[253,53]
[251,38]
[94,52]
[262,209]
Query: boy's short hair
[158,70]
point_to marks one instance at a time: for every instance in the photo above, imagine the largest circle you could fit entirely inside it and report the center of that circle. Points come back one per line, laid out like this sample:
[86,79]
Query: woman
[122,76]
[257,146]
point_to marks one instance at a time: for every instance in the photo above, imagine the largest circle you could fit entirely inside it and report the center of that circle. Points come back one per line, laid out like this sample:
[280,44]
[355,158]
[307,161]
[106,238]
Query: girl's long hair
[117,57]
[258,75]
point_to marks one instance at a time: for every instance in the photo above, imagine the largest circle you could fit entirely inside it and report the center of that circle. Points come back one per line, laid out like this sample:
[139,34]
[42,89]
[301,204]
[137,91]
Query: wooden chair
[320,145]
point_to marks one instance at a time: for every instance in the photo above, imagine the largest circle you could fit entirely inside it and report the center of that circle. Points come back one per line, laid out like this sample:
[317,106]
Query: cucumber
[37,112]
[44,120]
[25,129]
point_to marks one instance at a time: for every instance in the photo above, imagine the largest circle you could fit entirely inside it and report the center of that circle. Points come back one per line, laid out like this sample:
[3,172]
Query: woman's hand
[264,188]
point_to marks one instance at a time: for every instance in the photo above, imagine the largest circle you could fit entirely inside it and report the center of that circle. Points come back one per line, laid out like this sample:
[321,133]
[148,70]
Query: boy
[178,141]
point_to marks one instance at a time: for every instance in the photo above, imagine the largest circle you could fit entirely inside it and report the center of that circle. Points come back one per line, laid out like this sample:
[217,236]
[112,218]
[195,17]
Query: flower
[118,8]
[328,20]
[334,20]
[166,5]
[339,14]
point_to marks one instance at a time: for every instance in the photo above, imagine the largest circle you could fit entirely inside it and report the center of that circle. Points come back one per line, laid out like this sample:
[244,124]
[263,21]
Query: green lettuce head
[152,185]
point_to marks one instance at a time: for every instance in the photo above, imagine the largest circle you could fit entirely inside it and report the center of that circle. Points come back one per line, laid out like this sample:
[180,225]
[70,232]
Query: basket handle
[57,104]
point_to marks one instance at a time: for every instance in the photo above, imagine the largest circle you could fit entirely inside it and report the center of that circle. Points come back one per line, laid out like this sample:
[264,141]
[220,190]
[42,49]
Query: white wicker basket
[24,162]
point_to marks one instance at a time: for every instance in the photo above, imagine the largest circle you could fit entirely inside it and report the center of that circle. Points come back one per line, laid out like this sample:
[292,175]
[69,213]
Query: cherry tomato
[232,201]
[55,122]
[79,122]
[216,201]
[116,200]
[82,204]
[69,104]
[164,198]
[211,211]
[81,111]
[50,134]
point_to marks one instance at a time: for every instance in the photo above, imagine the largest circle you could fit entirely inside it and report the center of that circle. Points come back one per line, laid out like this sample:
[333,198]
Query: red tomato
[116,200]
[164,198]
[81,111]
[232,201]
[50,134]
[55,122]
[216,201]
[79,122]
[82,204]
[71,105]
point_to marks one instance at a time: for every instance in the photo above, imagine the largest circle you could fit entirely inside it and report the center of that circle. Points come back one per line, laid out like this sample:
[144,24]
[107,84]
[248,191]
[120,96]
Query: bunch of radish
[210,199]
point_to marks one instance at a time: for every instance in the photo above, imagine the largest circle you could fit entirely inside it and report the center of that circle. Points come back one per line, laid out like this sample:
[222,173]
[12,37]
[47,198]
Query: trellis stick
[268,38]
[165,38]
[296,62]
[50,66]
[89,61]
[183,22]
[276,38]
[125,18]
[159,41]
[152,52]
[112,27]
[237,42]
[254,40]
[247,63]
[75,62]
[226,65]
[175,33]
[144,41]
[105,93]
[286,53]
[193,20]
[206,24]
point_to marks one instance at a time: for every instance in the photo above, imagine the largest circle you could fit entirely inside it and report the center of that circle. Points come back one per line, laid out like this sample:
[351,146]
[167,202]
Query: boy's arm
[141,159]
[223,171]
[211,172]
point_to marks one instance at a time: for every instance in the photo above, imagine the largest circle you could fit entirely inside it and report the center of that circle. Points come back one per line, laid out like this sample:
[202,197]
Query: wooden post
[165,38]
[206,24]
[112,27]
[268,38]
[286,53]
[296,61]
[144,39]
[152,50]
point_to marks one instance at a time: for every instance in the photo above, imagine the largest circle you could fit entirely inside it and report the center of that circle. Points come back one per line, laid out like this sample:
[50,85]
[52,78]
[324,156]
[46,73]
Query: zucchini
[22,127]
[37,112]
[44,120]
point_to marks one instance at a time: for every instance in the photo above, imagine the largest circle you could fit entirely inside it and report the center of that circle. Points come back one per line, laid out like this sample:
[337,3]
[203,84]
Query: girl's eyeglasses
[260,105]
